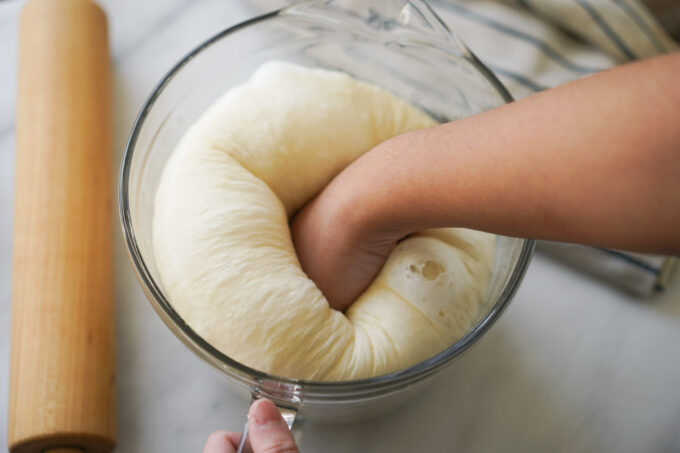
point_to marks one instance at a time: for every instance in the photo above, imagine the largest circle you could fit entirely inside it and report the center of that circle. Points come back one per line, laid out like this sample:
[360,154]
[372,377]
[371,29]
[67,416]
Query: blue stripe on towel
[644,27]
[504,28]
[533,86]
[632,260]
[604,26]
[525,4]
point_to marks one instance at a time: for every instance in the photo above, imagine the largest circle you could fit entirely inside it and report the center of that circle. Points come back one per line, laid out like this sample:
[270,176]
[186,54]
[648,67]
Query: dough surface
[223,247]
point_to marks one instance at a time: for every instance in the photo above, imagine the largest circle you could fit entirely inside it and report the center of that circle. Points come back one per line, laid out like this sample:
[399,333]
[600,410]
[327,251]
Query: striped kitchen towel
[537,44]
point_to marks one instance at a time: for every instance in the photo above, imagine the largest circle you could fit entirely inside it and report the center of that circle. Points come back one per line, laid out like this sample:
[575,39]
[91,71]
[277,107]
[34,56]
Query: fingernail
[264,411]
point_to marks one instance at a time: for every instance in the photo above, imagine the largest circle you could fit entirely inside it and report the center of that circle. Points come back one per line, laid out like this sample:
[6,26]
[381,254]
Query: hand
[267,430]
[340,242]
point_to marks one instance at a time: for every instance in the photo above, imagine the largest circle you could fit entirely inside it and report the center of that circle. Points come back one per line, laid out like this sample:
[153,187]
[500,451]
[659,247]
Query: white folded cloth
[641,275]
[532,45]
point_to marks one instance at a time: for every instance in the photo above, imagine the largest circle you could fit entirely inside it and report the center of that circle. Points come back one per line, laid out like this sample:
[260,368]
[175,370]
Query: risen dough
[223,246]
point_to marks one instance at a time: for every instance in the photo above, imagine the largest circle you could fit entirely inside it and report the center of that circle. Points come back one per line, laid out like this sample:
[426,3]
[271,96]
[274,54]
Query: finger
[222,442]
[268,431]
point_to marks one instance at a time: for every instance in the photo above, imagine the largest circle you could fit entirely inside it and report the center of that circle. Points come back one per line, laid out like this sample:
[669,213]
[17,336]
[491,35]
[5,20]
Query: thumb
[268,431]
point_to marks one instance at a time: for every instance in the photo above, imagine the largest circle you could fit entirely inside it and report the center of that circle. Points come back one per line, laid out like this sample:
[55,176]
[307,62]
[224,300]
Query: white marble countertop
[573,365]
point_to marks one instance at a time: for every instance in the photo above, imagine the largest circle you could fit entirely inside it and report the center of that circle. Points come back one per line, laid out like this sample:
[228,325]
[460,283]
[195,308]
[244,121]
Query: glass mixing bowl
[400,45]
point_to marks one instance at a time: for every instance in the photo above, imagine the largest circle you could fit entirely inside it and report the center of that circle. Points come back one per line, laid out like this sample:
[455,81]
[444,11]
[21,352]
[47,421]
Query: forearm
[595,161]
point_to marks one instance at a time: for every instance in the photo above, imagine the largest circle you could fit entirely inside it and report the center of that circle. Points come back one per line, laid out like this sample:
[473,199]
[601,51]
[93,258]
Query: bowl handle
[288,412]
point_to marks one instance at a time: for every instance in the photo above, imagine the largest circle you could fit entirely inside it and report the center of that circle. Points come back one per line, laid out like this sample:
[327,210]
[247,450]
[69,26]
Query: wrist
[371,196]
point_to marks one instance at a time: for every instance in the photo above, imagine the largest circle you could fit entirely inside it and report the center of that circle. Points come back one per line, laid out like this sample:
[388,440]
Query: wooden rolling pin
[62,375]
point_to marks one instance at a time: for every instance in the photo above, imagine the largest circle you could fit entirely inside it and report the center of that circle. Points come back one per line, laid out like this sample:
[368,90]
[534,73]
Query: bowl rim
[258,379]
